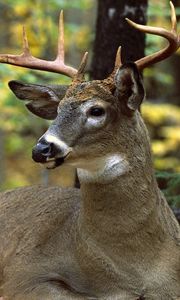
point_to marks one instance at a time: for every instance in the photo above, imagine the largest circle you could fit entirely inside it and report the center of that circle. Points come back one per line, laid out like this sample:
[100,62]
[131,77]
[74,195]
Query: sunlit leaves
[156,114]
[163,121]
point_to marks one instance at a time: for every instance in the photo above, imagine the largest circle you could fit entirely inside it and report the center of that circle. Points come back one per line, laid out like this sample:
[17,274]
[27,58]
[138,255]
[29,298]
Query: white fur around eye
[95,122]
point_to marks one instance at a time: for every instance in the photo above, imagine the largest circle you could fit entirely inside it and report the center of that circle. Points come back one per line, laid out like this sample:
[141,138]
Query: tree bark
[112,30]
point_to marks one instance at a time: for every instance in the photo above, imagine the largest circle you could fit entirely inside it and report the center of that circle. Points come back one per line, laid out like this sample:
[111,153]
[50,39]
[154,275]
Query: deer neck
[119,199]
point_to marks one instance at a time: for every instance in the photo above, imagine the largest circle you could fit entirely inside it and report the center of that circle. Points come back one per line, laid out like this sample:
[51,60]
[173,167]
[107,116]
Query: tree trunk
[112,30]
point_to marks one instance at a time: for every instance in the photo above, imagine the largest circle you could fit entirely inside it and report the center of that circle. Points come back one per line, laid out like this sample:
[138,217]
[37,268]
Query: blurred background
[87,28]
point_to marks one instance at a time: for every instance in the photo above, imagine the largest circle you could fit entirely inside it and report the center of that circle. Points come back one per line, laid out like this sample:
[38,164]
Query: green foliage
[163,121]
[160,9]
[76,4]
[170,185]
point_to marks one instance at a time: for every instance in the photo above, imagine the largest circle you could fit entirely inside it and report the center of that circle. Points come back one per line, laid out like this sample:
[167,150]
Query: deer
[115,237]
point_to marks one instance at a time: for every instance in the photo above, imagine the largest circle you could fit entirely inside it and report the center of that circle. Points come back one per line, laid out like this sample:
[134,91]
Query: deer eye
[96,111]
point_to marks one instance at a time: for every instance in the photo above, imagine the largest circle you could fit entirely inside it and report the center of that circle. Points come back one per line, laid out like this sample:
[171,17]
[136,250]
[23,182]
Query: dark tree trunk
[112,30]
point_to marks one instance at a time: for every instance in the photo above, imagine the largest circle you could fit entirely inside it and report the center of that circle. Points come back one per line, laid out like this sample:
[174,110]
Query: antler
[172,37]
[26,59]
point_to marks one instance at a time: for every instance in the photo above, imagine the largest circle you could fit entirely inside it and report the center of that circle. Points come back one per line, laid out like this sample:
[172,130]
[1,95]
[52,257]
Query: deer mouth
[52,163]
[44,154]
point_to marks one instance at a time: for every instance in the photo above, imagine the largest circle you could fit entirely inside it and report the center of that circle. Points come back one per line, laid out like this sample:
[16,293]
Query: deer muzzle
[48,150]
[43,151]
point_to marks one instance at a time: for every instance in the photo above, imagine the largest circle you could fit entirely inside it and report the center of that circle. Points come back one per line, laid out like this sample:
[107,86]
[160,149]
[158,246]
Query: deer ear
[129,87]
[41,100]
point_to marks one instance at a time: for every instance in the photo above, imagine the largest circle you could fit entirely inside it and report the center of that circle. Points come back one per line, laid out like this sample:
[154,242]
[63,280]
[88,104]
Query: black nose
[42,151]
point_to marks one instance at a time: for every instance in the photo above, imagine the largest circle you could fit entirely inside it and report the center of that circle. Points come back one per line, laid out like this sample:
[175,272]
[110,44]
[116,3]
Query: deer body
[116,237]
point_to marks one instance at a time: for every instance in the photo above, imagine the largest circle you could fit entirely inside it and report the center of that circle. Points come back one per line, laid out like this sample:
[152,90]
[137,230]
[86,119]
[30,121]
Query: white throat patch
[104,169]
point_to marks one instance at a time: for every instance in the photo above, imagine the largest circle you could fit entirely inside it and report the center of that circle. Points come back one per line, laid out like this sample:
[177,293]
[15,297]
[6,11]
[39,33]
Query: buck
[116,237]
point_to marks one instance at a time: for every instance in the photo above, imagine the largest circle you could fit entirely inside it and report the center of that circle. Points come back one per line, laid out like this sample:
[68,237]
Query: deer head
[91,119]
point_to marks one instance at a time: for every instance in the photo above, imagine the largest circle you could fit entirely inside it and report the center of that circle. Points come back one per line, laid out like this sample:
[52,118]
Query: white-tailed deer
[116,237]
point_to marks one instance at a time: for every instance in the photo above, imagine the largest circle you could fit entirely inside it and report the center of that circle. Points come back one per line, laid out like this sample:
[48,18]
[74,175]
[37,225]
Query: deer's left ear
[129,87]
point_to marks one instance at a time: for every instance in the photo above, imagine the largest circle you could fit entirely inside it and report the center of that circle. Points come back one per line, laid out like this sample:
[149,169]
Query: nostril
[41,151]
[46,149]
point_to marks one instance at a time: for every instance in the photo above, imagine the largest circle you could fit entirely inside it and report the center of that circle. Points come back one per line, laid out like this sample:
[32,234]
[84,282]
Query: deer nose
[43,150]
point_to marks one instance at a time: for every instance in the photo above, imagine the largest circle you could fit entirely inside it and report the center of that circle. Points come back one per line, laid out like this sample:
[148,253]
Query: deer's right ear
[41,100]
[129,87]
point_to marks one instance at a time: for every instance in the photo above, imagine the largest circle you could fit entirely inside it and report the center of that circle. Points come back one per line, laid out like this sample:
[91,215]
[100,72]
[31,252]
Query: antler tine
[26,60]
[80,74]
[172,37]
[118,61]
[173,17]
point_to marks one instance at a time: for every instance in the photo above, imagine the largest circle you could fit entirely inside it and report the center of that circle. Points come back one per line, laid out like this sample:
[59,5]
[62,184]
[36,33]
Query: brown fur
[113,239]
